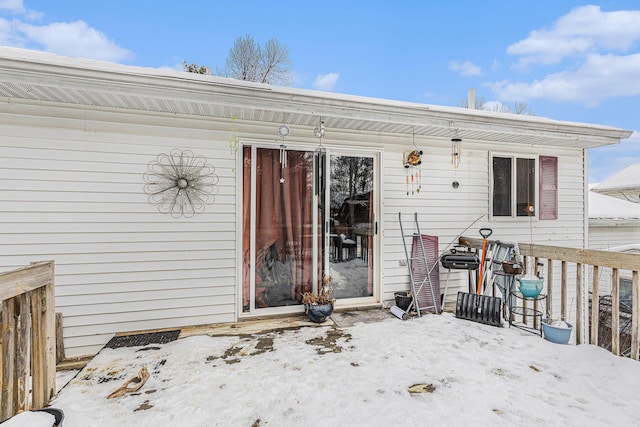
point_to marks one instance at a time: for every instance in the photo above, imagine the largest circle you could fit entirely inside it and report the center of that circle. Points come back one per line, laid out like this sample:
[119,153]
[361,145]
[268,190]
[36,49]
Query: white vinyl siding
[619,233]
[76,197]
[445,212]
[72,193]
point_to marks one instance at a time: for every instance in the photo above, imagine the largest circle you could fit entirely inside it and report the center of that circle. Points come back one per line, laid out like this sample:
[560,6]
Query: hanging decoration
[320,158]
[283,130]
[319,132]
[180,183]
[234,141]
[414,158]
[412,162]
[456,152]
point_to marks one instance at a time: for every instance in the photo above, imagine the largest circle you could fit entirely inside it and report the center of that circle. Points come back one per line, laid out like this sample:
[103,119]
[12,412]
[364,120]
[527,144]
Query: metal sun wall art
[181,183]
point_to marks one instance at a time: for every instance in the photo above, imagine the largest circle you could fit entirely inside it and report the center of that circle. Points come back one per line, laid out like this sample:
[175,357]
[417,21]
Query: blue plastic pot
[530,288]
[555,334]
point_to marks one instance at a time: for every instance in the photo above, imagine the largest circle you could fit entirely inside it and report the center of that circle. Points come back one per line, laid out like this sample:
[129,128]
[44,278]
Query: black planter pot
[57,413]
[318,313]
[402,300]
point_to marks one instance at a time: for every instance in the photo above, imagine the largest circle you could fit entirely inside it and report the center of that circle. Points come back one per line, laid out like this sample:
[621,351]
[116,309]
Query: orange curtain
[246,226]
[283,216]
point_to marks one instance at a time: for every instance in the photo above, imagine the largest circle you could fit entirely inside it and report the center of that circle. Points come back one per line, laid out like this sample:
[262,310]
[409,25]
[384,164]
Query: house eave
[44,78]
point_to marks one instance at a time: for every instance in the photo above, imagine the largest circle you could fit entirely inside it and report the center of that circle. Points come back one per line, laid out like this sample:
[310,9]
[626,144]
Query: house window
[515,188]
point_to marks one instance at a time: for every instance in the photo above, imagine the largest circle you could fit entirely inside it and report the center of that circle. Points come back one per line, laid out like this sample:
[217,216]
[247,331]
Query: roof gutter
[37,68]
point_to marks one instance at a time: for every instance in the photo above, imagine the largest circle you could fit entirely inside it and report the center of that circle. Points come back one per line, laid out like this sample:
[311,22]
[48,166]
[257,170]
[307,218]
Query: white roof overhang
[38,77]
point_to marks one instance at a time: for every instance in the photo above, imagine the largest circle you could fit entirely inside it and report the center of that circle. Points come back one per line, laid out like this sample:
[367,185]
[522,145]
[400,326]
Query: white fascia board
[53,71]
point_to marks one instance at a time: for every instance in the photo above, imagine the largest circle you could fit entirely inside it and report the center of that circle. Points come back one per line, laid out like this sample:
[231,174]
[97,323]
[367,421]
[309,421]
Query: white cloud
[598,78]
[599,44]
[584,29]
[465,68]
[74,39]
[14,6]
[326,82]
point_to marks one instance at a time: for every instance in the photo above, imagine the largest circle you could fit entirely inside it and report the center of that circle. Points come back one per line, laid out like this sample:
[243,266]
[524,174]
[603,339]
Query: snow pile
[434,369]
[30,419]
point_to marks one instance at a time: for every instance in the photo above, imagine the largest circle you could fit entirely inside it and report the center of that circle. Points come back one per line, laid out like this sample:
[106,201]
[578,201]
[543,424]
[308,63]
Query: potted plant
[319,307]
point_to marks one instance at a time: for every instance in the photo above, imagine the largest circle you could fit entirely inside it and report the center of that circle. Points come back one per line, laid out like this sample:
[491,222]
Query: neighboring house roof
[627,179]
[42,77]
[605,209]
[633,248]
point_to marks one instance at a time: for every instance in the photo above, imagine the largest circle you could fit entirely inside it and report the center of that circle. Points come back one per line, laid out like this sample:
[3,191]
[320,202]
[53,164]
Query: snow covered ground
[468,374]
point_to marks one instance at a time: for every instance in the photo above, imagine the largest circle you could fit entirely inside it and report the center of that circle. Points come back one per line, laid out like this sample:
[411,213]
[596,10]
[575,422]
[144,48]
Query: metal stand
[520,308]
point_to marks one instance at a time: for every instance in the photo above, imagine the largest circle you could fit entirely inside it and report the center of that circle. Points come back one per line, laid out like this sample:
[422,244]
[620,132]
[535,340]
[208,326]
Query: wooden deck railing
[27,339]
[586,323]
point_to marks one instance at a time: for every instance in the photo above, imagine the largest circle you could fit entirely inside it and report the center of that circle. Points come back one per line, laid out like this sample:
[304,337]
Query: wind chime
[412,162]
[456,152]
[283,130]
[320,155]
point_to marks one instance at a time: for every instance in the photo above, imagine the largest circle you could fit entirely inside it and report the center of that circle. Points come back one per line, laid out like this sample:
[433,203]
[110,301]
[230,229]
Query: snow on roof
[629,177]
[43,78]
[606,207]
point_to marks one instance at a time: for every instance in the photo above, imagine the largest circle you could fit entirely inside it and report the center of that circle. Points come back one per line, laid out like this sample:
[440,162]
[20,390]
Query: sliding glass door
[306,215]
[351,225]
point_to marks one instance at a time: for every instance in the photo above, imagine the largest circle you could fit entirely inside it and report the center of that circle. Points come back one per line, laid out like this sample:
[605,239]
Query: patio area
[363,368]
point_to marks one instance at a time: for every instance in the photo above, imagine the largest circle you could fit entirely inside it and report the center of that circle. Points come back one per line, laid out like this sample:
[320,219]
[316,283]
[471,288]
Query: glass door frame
[375,154]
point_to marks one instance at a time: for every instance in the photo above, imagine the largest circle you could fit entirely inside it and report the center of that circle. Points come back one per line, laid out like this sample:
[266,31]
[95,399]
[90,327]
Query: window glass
[501,186]
[515,183]
[626,292]
[525,186]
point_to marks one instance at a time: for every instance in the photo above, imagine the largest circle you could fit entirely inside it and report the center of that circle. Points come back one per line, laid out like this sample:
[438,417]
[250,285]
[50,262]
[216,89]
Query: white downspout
[585,290]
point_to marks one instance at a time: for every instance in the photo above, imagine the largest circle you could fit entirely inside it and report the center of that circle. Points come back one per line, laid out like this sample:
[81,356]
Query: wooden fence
[587,321]
[27,339]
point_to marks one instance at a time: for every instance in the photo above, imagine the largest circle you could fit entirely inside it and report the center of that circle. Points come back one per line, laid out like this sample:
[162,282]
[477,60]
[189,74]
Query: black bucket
[479,308]
[403,301]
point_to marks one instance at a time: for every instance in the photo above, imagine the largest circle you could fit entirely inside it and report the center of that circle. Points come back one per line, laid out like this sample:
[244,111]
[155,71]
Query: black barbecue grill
[458,261]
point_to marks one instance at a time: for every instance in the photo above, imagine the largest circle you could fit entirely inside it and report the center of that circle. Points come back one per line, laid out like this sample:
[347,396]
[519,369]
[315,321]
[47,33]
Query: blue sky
[568,60]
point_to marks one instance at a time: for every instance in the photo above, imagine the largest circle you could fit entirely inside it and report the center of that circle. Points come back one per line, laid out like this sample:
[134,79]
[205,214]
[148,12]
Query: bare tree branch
[276,64]
[248,61]
[479,103]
